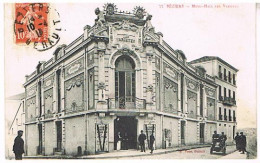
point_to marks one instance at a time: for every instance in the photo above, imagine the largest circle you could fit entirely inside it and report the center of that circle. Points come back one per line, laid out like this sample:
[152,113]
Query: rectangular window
[225,92]
[182,93]
[40,97]
[229,77]
[234,95]
[229,93]
[234,79]
[201,99]
[225,74]
[219,91]
[219,110]
[219,72]
[58,73]
[225,114]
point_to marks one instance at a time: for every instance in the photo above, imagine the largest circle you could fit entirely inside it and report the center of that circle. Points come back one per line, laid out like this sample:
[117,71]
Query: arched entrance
[125,82]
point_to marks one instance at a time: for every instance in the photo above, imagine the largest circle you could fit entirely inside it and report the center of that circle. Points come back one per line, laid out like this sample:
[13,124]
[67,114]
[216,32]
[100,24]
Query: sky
[226,32]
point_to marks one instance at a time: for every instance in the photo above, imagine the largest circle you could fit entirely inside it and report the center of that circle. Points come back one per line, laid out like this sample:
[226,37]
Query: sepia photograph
[138,81]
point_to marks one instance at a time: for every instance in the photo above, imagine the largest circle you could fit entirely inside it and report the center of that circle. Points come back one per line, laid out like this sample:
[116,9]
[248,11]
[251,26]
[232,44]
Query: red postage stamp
[31,22]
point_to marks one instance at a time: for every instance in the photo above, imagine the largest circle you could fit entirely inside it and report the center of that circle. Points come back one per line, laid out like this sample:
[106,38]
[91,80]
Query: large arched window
[125,82]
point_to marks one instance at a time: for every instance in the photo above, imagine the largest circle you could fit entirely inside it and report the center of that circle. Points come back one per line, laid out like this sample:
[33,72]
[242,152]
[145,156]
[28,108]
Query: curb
[110,157]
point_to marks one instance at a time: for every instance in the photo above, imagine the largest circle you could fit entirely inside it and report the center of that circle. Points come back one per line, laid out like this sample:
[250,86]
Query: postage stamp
[35,24]
[31,22]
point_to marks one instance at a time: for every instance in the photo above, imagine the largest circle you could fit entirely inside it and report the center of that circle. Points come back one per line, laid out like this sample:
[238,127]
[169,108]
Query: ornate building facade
[119,76]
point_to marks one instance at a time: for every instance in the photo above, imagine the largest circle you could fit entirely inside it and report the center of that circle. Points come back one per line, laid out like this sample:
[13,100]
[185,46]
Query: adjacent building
[121,77]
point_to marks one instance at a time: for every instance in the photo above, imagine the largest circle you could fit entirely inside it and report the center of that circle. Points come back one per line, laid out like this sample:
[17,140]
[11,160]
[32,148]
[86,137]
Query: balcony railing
[220,98]
[225,117]
[234,82]
[220,117]
[229,80]
[126,103]
[225,77]
[229,101]
[220,74]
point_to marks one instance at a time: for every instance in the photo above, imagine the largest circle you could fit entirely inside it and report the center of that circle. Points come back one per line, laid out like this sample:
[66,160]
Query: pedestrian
[152,139]
[141,140]
[119,140]
[223,139]
[237,140]
[243,142]
[215,137]
[18,146]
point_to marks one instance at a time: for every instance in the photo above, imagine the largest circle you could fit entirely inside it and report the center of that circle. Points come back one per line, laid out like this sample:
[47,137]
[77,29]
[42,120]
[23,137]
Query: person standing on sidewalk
[18,146]
[243,142]
[152,139]
[141,140]
[237,140]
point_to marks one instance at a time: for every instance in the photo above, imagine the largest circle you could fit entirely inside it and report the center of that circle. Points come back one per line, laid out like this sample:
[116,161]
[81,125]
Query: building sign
[149,130]
[101,137]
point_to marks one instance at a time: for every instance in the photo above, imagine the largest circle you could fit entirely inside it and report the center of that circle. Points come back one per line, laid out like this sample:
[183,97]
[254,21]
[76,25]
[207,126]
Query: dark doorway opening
[39,150]
[182,132]
[202,129]
[127,127]
[59,135]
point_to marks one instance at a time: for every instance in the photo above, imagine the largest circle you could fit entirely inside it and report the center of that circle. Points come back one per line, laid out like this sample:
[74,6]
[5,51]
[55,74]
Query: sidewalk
[235,155]
[120,154]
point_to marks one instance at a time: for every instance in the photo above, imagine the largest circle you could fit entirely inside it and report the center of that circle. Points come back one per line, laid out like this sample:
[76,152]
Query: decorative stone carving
[169,70]
[74,68]
[101,86]
[31,91]
[149,88]
[110,8]
[148,26]
[125,25]
[193,85]
[100,20]
[139,12]
[210,92]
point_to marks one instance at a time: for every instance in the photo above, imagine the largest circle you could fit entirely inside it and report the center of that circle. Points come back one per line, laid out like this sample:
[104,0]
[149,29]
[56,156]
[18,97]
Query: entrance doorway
[202,129]
[40,139]
[59,135]
[127,127]
[182,132]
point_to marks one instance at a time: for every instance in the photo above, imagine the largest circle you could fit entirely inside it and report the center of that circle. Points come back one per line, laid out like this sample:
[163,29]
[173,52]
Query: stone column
[101,104]
[149,69]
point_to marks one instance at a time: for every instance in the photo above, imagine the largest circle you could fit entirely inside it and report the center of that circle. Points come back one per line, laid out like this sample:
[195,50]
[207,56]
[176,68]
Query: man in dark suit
[243,142]
[237,140]
[141,140]
[18,146]
[152,139]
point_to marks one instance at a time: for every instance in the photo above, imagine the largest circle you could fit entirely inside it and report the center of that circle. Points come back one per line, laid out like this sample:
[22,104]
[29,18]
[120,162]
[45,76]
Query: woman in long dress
[119,139]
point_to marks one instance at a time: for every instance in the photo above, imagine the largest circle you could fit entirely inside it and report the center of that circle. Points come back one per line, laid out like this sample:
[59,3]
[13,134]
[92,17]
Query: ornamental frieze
[48,82]
[210,92]
[31,91]
[77,81]
[75,67]
[169,70]
[48,94]
[192,84]
[31,102]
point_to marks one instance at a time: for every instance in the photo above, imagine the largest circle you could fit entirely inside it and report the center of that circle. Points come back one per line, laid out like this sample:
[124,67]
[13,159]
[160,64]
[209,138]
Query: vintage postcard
[130,81]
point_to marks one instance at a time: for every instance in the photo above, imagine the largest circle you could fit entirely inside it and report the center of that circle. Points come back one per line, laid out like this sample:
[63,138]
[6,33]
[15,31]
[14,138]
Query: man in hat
[141,140]
[243,142]
[237,140]
[18,146]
